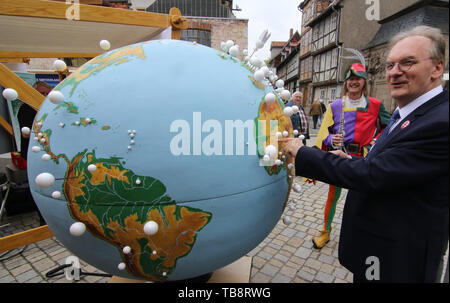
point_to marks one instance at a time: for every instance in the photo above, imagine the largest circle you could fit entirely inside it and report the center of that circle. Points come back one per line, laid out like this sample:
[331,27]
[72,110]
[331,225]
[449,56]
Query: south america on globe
[162,163]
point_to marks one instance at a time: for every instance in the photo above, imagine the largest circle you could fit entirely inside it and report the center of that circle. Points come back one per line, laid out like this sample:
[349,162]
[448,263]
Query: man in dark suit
[395,220]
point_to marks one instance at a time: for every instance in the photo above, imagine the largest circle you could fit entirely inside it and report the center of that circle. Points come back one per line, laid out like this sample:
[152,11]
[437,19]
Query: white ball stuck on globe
[295,132]
[279,83]
[56,97]
[234,50]
[46,157]
[151,228]
[36,149]
[295,109]
[25,131]
[56,195]
[287,111]
[229,44]
[105,45]
[285,95]
[271,151]
[10,94]
[121,266]
[59,65]
[302,137]
[256,62]
[285,133]
[92,168]
[259,75]
[270,98]
[77,229]
[126,250]
[266,70]
[45,180]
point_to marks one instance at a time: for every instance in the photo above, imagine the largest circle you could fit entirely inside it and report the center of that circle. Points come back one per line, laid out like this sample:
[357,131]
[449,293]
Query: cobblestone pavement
[285,256]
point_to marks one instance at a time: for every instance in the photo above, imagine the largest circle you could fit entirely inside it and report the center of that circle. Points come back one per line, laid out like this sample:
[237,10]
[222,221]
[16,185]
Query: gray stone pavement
[285,256]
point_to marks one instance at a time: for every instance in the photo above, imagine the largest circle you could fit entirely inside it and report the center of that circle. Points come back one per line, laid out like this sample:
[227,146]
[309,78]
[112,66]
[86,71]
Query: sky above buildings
[276,16]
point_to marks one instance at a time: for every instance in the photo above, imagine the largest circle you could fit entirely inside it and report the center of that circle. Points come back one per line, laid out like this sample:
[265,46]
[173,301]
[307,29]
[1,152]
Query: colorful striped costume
[361,125]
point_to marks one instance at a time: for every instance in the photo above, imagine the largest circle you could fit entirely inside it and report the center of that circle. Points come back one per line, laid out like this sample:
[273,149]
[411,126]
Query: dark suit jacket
[397,206]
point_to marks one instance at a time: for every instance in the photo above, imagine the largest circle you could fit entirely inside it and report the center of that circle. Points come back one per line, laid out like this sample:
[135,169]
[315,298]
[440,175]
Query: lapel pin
[406,124]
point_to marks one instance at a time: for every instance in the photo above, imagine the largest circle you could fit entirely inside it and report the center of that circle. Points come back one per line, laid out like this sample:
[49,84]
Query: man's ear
[438,70]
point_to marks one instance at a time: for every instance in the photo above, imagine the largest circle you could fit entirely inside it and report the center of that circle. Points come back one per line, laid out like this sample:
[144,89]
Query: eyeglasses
[404,65]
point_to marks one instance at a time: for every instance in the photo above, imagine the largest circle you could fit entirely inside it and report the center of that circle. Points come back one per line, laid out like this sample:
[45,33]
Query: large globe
[157,157]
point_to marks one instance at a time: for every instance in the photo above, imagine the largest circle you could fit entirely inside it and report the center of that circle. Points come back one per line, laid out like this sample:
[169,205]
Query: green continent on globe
[101,62]
[114,204]
[271,120]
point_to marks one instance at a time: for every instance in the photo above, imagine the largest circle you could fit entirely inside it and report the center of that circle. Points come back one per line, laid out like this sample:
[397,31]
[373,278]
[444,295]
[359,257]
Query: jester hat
[357,69]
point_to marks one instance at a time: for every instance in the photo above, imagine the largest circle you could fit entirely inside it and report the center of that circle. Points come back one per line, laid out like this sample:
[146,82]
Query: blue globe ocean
[165,132]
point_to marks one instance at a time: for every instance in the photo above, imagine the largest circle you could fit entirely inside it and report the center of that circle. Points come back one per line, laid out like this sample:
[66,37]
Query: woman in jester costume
[351,123]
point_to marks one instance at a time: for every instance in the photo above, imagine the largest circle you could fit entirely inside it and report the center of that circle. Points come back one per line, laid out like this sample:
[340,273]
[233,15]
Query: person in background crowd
[299,120]
[316,112]
[351,123]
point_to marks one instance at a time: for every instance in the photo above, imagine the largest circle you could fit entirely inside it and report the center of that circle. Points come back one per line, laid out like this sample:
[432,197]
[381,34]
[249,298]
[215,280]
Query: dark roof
[431,13]
[303,4]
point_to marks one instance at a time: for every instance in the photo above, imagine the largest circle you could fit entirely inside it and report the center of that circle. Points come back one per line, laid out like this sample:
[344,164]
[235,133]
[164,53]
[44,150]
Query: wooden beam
[178,23]
[27,94]
[24,238]
[91,2]
[10,54]
[58,10]
[6,126]
[15,60]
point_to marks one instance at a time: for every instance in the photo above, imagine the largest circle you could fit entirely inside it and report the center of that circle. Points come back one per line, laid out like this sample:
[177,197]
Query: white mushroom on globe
[56,194]
[46,157]
[105,45]
[56,97]
[59,65]
[44,180]
[151,228]
[270,98]
[25,131]
[77,229]
[10,94]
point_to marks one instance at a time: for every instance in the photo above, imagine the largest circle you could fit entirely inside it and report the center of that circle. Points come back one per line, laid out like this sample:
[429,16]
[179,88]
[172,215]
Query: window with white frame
[324,33]
[325,66]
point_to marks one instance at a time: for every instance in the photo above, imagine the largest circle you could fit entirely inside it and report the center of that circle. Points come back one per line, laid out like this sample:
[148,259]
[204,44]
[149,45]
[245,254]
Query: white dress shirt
[410,107]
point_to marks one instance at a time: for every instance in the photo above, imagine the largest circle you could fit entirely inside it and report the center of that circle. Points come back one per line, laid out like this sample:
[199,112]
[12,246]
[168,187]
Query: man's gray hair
[437,50]
[297,93]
